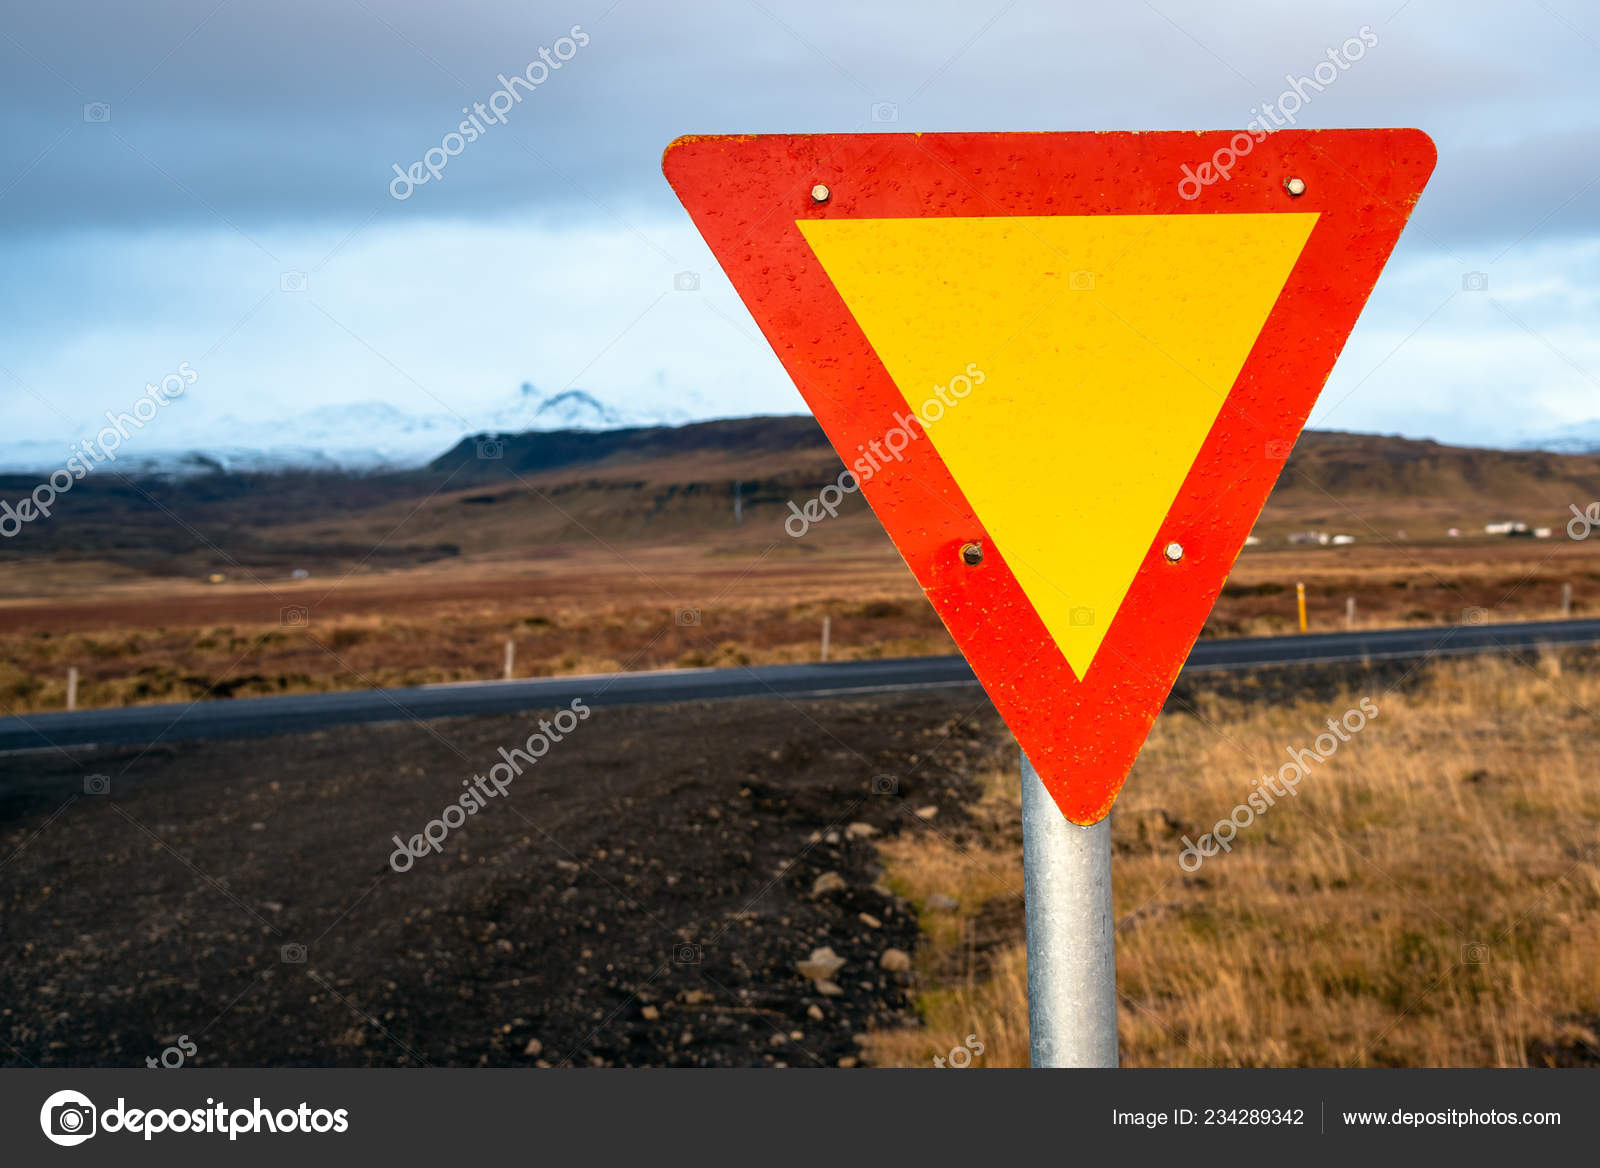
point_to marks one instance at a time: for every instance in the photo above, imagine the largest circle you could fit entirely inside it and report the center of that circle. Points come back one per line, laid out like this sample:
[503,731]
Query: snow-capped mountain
[572,409]
[360,436]
[1578,438]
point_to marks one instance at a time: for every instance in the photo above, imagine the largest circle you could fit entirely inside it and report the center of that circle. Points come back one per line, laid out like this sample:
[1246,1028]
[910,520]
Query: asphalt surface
[298,713]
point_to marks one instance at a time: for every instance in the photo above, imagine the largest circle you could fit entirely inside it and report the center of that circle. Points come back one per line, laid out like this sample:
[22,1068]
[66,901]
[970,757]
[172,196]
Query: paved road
[246,717]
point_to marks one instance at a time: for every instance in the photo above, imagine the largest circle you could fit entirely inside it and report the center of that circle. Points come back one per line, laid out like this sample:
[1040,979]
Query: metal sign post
[1072,966]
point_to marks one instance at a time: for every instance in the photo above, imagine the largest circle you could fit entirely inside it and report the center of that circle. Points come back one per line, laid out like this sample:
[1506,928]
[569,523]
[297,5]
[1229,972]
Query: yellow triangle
[1101,349]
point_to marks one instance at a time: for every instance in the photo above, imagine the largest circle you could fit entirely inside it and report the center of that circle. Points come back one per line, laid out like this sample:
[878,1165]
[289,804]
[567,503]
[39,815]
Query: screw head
[819,193]
[1295,186]
[972,554]
[1173,552]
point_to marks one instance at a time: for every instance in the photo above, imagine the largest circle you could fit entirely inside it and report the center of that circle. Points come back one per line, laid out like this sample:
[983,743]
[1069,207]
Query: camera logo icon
[292,282]
[294,953]
[97,784]
[491,449]
[1082,617]
[1081,281]
[686,954]
[1474,616]
[97,112]
[687,616]
[884,111]
[686,282]
[67,1118]
[1475,282]
[1475,953]
[885,785]
[1278,449]
[294,616]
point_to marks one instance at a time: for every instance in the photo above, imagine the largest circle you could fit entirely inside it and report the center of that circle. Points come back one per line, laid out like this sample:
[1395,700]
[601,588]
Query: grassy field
[578,609]
[1429,896]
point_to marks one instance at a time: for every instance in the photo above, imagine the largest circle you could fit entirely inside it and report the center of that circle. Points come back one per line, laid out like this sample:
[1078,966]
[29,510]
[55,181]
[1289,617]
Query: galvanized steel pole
[1072,970]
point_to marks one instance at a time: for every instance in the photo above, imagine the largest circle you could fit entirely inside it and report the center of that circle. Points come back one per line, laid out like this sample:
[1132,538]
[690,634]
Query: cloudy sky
[209,183]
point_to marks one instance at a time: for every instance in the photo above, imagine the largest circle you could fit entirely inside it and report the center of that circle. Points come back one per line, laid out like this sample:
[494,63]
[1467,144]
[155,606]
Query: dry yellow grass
[1429,897]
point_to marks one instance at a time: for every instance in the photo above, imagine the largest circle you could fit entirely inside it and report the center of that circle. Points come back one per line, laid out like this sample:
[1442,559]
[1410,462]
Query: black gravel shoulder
[640,896]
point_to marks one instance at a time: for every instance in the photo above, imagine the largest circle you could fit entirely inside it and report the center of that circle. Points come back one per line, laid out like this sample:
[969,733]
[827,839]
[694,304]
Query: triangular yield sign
[1066,351]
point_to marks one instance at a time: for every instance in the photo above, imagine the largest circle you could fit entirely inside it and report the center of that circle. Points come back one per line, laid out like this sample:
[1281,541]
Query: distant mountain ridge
[497,455]
[697,484]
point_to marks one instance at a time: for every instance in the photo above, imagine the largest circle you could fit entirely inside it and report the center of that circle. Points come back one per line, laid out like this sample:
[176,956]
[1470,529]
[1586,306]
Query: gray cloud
[296,111]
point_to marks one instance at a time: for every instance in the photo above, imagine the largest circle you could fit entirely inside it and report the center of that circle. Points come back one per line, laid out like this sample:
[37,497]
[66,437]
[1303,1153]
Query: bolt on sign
[1120,360]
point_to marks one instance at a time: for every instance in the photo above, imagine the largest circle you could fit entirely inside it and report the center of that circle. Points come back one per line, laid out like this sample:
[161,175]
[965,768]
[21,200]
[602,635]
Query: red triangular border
[745,193]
